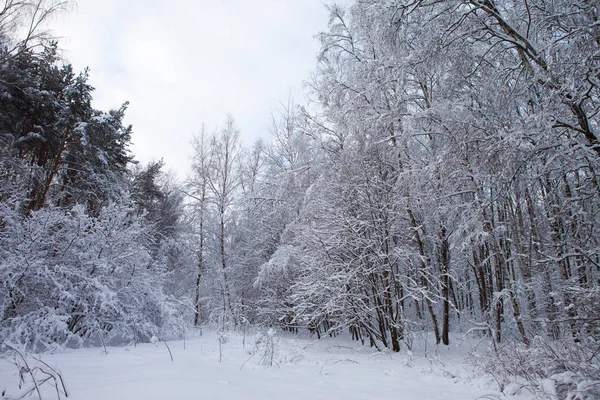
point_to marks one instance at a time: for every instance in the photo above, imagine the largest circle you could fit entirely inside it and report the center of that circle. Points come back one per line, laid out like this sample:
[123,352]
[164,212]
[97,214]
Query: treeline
[448,181]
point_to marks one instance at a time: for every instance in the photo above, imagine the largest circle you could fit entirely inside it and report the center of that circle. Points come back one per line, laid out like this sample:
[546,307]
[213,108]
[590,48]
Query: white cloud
[183,62]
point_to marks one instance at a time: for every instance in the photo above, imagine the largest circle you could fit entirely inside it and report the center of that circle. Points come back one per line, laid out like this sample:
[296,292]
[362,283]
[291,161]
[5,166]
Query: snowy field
[302,368]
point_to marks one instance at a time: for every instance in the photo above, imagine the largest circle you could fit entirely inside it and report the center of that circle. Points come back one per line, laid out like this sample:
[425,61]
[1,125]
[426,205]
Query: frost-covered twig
[348,360]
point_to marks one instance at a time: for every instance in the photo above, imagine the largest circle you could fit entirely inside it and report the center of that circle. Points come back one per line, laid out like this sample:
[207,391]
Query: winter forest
[442,177]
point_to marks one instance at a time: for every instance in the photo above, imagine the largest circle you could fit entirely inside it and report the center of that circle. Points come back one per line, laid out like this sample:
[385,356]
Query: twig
[167,346]
[50,374]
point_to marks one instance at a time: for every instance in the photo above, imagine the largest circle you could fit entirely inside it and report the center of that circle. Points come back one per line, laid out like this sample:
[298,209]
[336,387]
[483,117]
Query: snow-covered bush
[274,280]
[265,347]
[67,276]
[559,370]
[270,349]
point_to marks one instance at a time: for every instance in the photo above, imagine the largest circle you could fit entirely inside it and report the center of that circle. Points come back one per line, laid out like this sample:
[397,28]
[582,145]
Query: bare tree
[223,184]
[23,22]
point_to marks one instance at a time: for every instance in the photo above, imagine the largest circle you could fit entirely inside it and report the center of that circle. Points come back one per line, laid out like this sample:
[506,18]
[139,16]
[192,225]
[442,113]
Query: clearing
[302,368]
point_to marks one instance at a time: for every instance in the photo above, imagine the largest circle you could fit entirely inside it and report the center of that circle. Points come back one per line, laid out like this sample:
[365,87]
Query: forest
[442,176]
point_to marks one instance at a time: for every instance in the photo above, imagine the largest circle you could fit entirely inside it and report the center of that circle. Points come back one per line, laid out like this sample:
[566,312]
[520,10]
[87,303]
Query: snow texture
[332,368]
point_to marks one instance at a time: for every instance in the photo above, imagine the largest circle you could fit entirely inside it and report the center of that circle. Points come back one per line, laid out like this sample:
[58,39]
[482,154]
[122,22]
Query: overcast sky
[181,62]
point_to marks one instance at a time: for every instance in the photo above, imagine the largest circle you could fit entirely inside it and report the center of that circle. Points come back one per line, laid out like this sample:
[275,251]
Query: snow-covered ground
[303,368]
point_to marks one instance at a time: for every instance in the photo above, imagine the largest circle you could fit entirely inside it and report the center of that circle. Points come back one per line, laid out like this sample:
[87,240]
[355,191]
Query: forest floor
[240,368]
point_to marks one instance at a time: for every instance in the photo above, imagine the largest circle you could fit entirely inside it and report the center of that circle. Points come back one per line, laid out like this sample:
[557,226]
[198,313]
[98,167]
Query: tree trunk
[445,266]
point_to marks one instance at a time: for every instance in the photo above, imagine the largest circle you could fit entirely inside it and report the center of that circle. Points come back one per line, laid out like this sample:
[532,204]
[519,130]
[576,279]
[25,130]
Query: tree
[223,184]
[198,190]
[215,187]
[22,24]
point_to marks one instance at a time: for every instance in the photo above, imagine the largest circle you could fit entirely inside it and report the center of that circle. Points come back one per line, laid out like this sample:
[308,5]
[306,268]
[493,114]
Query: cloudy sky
[182,62]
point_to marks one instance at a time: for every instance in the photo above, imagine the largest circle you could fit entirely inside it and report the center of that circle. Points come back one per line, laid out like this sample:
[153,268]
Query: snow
[303,368]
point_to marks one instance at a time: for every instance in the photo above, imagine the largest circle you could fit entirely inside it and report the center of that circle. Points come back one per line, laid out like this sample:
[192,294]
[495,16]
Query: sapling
[222,339]
[269,348]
